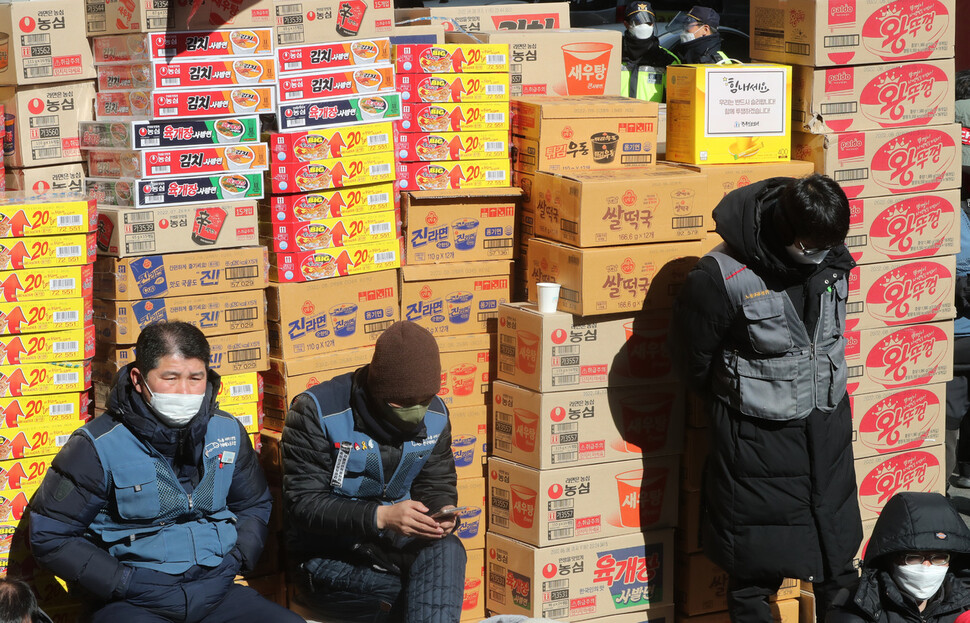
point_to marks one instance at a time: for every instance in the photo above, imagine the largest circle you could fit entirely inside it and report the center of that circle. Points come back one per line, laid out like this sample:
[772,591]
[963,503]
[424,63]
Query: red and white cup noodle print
[904,227]
[898,420]
[892,358]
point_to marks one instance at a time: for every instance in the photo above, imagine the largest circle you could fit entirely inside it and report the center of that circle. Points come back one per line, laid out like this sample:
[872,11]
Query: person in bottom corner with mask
[914,567]
[644,59]
[700,41]
[367,470]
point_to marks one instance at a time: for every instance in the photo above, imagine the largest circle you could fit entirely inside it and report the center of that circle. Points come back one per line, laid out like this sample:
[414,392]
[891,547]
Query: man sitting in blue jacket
[152,508]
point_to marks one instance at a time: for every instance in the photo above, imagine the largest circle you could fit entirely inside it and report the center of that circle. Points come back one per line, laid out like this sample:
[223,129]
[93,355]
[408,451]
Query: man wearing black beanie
[368,470]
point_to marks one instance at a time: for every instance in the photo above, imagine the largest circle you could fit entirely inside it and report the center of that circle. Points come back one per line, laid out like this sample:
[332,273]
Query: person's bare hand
[409,518]
[447,522]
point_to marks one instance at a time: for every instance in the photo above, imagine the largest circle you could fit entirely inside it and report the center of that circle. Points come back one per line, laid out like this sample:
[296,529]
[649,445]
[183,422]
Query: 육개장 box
[455,298]
[169,134]
[339,111]
[729,113]
[311,145]
[352,201]
[897,293]
[548,430]
[896,420]
[558,134]
[881,477]
[132,192]
[42,122]
[904,227]
[894,357]
[180,45]
[44,43]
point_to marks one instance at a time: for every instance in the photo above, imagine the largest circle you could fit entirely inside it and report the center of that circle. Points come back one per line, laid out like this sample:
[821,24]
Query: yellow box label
[39,410]
[47,218]
[19,253]
[358,140]
[44,378]
[239,389]
[40,316]
[28,441]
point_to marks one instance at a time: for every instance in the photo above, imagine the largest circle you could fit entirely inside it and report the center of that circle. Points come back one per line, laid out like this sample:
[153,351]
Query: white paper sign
[745,102]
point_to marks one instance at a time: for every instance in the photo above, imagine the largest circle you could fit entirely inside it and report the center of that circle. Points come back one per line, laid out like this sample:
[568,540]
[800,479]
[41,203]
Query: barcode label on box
[844,175]
[64,408]
[378,198]
[377,139]
[494,146]
[139,217]
[238,315]
[384,257]
[65,378]
[51,152]
[241,390]
[62,284]
[495,89]
[243,354]
[242,272]
[380,228]
[70,220]
[842,41]
[495,117]
[495,59]
[60,440]
[139,247]
[857,241]
[43,121]
[170,82]
[495,176]
[565,457]
[162,170]
[157,199]
[247,420]
[687,222]
[840,108]
[73,250]
[380,169]
[66,347]
[855,371]
[66,316]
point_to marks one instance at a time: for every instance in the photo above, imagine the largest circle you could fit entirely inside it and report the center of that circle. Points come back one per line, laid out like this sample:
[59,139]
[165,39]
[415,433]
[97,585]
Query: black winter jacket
[700,51]
[779,498]
[73,493]
[325,525]
[909,522]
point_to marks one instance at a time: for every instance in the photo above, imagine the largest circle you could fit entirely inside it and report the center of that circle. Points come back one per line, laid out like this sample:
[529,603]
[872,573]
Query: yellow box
[491,173]
[451,57]
[50,346]
[44,409]
[43,316]
[331,204]
[247,413]
[13,503]
[469,439]
[332,173]
[43,251]
[438,146]
[30,216]
[450,87]
[719,114]
[327,233]
[62,282]
[240,388]
[38,440]
[311,145]
[23,473]
[36,379]
[336,262]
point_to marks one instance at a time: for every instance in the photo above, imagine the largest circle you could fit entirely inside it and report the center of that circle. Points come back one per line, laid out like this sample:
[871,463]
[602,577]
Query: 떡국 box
[455,298]
[909,418]
[894,357]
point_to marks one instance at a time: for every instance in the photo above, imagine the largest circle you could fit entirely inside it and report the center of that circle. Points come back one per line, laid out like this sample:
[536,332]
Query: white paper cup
[548,297]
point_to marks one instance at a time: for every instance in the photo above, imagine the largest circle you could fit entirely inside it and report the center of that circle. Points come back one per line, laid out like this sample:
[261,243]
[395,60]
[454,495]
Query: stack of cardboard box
[873,107]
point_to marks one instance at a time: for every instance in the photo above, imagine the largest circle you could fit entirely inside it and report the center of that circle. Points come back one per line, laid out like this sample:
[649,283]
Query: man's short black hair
[17,601]
[164,338]
[815,209]
[961,85]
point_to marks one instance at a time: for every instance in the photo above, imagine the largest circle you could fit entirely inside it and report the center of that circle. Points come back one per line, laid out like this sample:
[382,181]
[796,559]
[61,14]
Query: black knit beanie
[406,368]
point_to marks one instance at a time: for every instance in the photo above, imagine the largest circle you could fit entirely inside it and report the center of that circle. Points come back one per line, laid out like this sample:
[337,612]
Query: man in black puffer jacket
[367,468]
[757,330]
[915,566]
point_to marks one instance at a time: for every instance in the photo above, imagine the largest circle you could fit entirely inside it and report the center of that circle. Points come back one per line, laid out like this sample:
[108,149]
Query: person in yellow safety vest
[644,59]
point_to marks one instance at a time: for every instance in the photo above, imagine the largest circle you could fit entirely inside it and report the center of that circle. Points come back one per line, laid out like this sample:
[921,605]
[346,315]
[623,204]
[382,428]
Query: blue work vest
[149,520]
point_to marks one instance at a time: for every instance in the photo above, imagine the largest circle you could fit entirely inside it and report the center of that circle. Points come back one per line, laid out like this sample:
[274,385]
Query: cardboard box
[897,293]
[613,279]
[169,134]
[453,117]
[471,492]
[147,104]
[570,504]
[332,232]
[287,378]
[435,146]
[697,445]
[476,58]
[574,61]
[337,83]
[300,266]
[331,204]
[31,441]
[881,477]
[42,410]
[236,389]
[838,99]
[469,445]
[560,134]
[604,208]
[830,33]
[187,161]
[303,21]
[478,17]
[182,274]
[313,145]
[37,284]
[334,314]
[904,227]
[120,322]
[23,473]
[332,173]
[338,112]
[248,414]
[314,57]
[39,379]
[663,614]
[127,232]
[187,74]
[412,33]
[203,43]
[898,420]
[702,586]
[451,299]
[689,524]
[473,599]
[451,87]
[44,43]
[494,173]
[128,192]
[459,225]
[581,581]
[467,369]
[231,14]
[27,216]
[884,162]
[729,113]
[45,316]
[230,354]
[895,357]
[37,181]
[44,251]
[574,428]
[559,351]
[111,17]
[42,122]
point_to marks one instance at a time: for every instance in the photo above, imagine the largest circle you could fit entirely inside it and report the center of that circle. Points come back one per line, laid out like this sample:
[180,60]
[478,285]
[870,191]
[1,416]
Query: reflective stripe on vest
[775,370]
[149,520]
[646,83]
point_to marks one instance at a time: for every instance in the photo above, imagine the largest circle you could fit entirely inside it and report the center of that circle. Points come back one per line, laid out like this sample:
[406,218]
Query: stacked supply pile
[875,112]
[47,91]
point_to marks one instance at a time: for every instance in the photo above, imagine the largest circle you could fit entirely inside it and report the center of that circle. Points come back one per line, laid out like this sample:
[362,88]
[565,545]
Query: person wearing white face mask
[700,41]
[644,59]
[914,567]
[153,508]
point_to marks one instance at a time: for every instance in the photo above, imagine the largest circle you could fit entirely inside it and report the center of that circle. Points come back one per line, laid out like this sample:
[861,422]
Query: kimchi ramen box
[885,162]
[308,207]
[586,580]
[183,161]
[908,418]
[317,56]
[896,357]
[42,122]
[148,104]
[897,293]
[197,44]
[343,81]
[455,298]
[201,73]
[881,477]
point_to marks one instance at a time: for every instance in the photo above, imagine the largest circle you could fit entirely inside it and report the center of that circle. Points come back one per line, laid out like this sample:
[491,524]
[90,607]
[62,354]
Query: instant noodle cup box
[453,117]
[471,492]
[833,33]
[43,410]
[41,122]
[332,232]
[455,298]
[333,55]
[868,97]
[41,181]
[320,317]
[436,146]
[602,208]
[287,378]
[45,251]
[230,354]
[898,293]
[26,472]
[475,18]
[103,17]
[50,346]
[13,503]
[300,266]
[42,316]
[469,443]
[451,87]
[44,43]
[881,477]
[38,379]
[151,104]
[308,207]
[904,227]
[120,322]
[331,19]
[41,284]
[25,215]
[558,134]
[169,134]
[187,73]
[313,145]
[127,192]
[345,81]
[615,279]
[569,504]
[30,441]
[249,415]
[451,58]
[338,111]
[198,44]
[897,357]
[493,173]
[585,427]
[621,574]
[702,587]
[898,420]
[181,274]
[184,161]
[332,173]
[125,232]
[729,114]
[871,163]
[573,61]
[473,598]
[467,368]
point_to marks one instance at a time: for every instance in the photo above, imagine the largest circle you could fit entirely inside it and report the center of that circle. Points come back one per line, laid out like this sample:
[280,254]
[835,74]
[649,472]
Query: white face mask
[806,258]
[686,37]
[176,410]
[641,31]
[919,581]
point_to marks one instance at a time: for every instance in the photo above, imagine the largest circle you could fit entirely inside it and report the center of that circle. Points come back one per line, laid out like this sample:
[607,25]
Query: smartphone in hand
[448,512]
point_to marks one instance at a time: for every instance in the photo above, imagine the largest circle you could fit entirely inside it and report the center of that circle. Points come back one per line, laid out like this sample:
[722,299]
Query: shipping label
[180,45]
[68,282]
[42,251]
[168,162]
[46,218]
[337,112]
[311,57]
[452,58]
[38,410]
[338,262]
[169,134]
[454,117]
[454,87]
[344,202]
[335,232]
[45,315]
[141,193]
[437,146]
[334,173]
[38,379]
[342,82]
[370,138]
[449,174]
